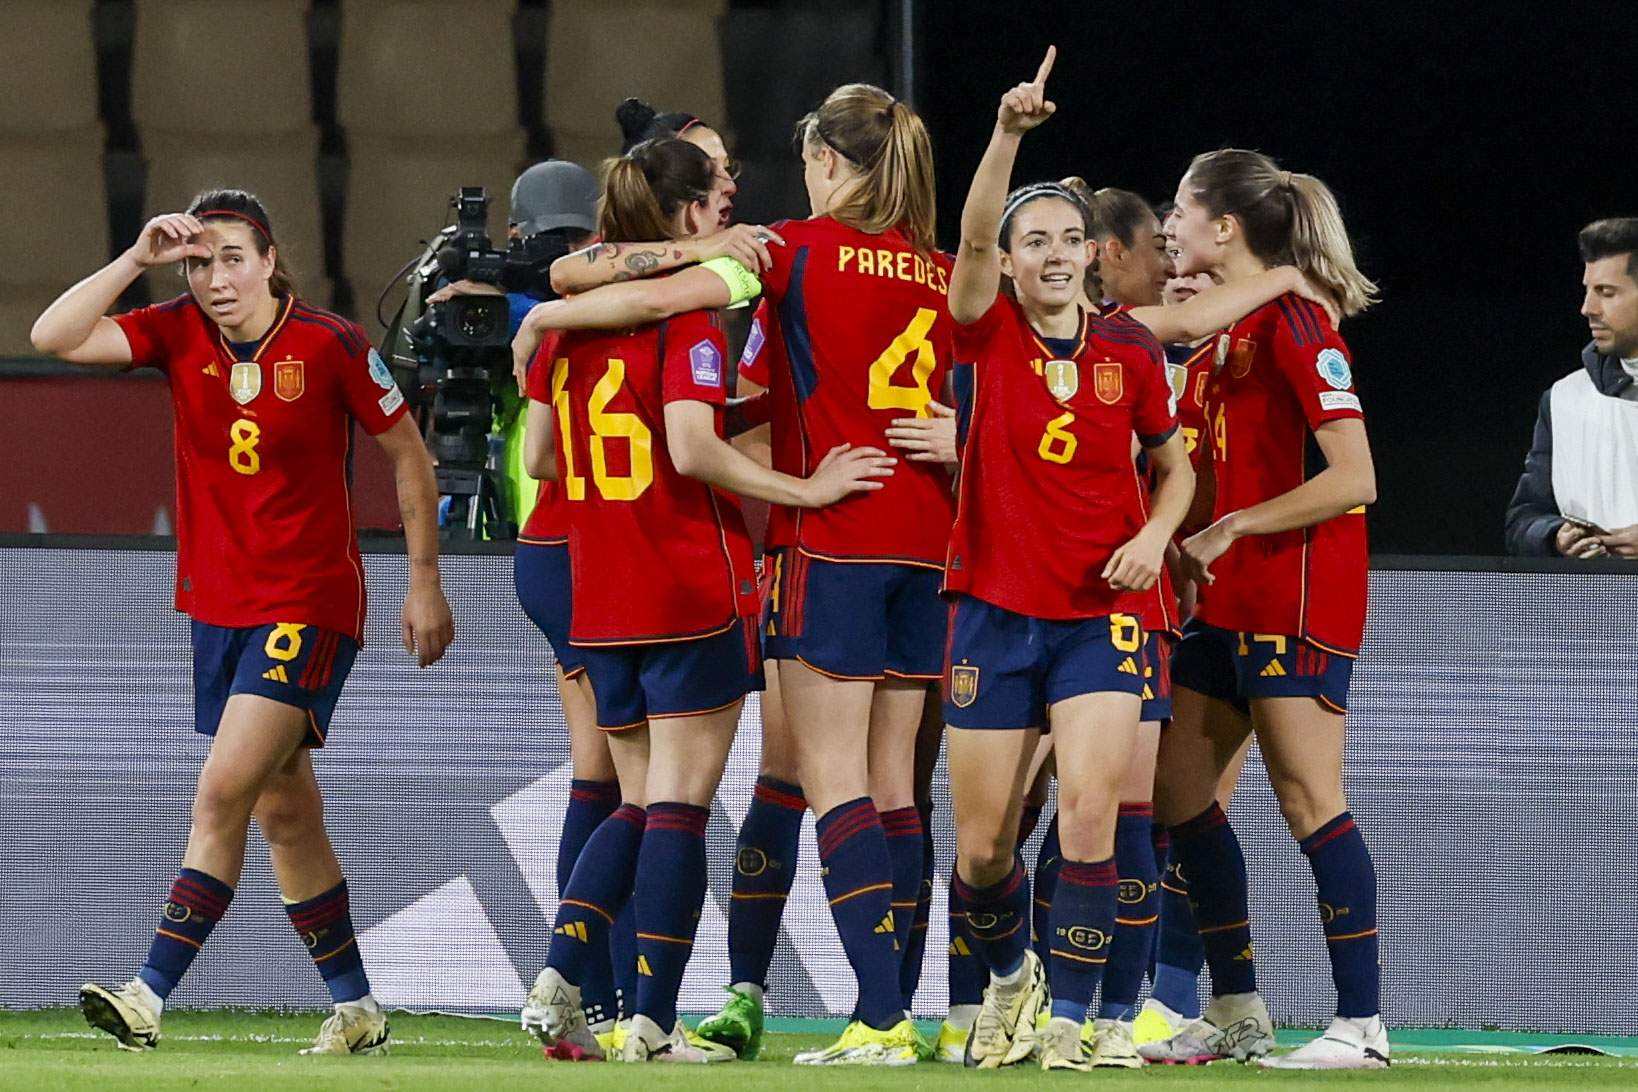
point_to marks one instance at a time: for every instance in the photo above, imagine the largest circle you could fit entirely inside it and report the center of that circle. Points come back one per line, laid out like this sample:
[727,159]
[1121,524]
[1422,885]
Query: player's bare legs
[1301,742]
[895,722]
[1205,739]
[589,756]
[686,756]
[290,813]
[255,738]
[830,726]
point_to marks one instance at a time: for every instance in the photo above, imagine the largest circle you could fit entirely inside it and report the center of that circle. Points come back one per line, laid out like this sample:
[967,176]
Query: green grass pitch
[255,1052]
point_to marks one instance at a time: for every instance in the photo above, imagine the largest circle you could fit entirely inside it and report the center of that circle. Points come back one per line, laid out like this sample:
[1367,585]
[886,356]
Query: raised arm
[611,263]
[698,452]
[76,326]
[1219,307]
[977,274]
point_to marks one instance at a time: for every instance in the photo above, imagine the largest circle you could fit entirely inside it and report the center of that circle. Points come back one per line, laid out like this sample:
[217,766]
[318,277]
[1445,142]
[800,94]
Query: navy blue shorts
[298,665]
[634,684]
[1157,677]
[1241,667]
[856,620]
[540,572]
[1005,669]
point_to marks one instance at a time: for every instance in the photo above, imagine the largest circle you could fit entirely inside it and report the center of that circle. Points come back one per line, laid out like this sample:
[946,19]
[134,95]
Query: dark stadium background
[1467,143]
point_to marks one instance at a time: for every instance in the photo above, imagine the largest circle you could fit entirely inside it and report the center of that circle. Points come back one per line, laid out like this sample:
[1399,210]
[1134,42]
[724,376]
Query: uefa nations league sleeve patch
[1333,368]
[706,360]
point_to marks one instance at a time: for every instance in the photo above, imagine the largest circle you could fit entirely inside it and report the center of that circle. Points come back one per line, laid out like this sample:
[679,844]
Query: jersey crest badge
[1220,354]
[1107,383]
[1240,359]
[1333,368]
[963,685]
[289,380]
[245,381]
[1063,378]
[1177,377]
[706,363]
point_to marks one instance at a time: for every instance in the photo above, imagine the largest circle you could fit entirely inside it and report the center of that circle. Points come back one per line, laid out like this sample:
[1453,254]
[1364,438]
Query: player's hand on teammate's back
[1026,106]
[930,439]
[428,625]
[1135,566]
[747,244]
[847,469]
[167,239]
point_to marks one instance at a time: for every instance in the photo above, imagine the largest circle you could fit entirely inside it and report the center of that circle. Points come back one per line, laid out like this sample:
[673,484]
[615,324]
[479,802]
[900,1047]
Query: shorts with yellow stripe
[1239,668]
[292,663]
[633,683]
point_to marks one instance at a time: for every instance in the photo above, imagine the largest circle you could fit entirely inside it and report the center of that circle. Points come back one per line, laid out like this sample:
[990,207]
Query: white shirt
[1631,368]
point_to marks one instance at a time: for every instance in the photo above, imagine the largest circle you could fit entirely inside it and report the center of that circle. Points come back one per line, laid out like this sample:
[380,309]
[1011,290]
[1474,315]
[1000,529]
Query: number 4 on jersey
[884,393]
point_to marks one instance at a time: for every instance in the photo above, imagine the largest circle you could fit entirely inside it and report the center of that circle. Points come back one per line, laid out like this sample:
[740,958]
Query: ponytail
[1286,217]
[247,208]
[643,189]
[887,143]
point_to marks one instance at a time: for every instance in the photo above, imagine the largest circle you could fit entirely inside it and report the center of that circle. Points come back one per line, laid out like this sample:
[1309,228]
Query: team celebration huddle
[1081,505]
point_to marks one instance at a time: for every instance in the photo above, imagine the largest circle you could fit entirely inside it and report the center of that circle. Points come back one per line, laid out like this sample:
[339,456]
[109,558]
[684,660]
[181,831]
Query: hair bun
[634,116]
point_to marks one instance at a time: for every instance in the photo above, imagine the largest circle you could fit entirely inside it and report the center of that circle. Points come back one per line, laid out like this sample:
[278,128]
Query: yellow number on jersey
[242,455]
[1219,434]
[626,426]
[884,394]
[1058,444]
[574,486]
[1191,439]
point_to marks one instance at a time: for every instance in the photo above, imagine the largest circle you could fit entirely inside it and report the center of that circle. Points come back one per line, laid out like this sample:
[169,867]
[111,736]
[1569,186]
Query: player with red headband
[266,390]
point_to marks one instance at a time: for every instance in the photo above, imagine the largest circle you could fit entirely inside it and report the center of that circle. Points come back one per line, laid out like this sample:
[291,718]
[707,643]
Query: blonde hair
[885,140]
[643,189]
[1287,218]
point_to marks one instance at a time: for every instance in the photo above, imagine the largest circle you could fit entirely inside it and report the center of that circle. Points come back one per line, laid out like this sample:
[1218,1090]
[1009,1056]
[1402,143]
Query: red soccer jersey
[1280,373]
[1188,369]
[264,512]
[548,522]
[1048,486]
[865,337]
[655,556]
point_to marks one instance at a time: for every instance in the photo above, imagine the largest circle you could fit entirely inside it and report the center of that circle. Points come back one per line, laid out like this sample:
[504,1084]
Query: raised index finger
[1045,70]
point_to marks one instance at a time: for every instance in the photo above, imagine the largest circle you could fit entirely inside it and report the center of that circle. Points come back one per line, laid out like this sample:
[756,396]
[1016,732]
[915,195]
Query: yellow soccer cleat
[1156,1022]
[951,1046]
[861,1044]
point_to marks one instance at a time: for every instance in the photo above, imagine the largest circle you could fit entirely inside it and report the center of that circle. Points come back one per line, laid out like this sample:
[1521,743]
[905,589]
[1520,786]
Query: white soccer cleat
[1234,1026]
[1060,1047]
[646,1042]
[127,1012]
[352,1029]
[1349,1043]
[1004,1032]
[552,1013]
[1112,1046]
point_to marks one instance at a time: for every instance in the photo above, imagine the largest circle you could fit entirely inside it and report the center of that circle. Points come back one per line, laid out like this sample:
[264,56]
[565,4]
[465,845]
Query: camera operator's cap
[554,194]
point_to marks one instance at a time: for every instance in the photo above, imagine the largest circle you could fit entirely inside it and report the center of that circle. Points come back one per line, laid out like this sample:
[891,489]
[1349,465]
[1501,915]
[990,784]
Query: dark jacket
[1532,515]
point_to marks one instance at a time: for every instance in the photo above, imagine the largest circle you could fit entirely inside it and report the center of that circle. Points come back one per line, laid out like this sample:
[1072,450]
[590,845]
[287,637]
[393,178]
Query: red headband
[261,229]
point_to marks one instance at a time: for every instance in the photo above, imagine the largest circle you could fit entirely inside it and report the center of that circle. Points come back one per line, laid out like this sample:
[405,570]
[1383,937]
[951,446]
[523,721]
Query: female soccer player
[266,389]
[1282,574]
[1040,632]
[857,296]
[665,603]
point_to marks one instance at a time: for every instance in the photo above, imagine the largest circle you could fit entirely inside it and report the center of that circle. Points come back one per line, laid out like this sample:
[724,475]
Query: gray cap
[554,194]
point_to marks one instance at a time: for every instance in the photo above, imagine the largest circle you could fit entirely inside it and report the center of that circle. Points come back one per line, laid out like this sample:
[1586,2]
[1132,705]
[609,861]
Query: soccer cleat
[124,1012]
[352,1029]
[861,1044]
[645,1042]
[1155,1021]
[1234,1026]
[952,1044]
[737,1026]
[552,1012]
[1111,1045]
[1060,1046]
[1004,1032]
[610,1035]
[1349,1043]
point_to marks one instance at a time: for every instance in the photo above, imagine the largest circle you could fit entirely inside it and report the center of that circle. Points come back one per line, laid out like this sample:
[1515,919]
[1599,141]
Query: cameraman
[553,212]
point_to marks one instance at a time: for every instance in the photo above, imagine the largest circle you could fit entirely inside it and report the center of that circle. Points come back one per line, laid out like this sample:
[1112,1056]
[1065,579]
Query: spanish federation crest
[1107,383]
[1063,378]
[289,380]
[963,685]
[1240,358]
[245,381]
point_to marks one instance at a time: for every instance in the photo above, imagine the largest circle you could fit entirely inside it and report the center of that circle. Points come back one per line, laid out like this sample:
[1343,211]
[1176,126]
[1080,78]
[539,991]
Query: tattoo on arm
[602,250]
[643,262]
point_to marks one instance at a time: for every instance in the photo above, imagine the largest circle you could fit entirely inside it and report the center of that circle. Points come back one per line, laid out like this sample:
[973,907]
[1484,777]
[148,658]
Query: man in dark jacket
[1578,496]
